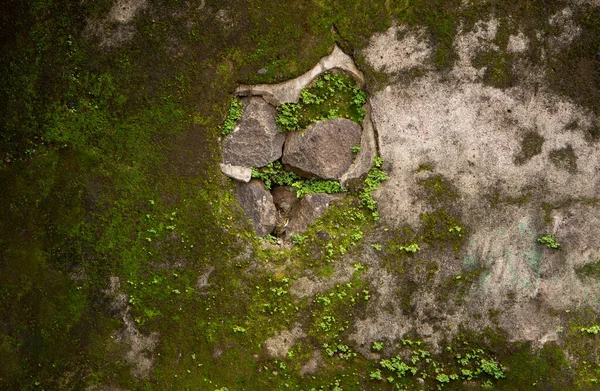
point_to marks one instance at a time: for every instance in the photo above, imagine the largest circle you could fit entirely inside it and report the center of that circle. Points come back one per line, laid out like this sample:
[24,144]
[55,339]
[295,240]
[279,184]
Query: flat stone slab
[310,208]
[323,150]
[239,173]
[256,140]
[258,204]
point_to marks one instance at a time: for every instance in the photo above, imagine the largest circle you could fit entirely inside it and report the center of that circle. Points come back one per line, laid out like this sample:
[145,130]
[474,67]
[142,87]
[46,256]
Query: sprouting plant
[375,375]
[235,113]
[311,186]
[371,183]
[274,174]
[355,149]
[238,329]
[298,239]
[377,346]
[377,246]
[549,241]
[287,117]
[411,248]
[595,329]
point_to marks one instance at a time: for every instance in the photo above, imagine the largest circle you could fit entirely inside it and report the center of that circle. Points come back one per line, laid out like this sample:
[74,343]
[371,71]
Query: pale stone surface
[239,173]
[256,140]
[323,150]
[279,344]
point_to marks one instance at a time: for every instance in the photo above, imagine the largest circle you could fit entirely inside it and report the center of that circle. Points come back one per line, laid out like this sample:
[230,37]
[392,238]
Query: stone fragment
[256,140]
[284,198]
[258,204]
[239,173]
[323,150]
[310,208]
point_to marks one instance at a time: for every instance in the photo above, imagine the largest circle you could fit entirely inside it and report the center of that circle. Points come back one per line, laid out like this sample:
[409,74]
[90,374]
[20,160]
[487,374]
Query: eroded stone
[310,208]
[258,204]
[324,150]
[256,140]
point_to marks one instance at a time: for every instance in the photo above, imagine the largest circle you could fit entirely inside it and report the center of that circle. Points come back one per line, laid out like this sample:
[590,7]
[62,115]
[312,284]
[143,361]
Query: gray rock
[284,198]
[258,204]
[310,208]
[262,71]
[239,173]
[256,140]
[324,150]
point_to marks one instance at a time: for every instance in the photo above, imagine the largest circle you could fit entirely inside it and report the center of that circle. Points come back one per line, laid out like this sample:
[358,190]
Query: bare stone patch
[141,346]
[279,344]
[390,54]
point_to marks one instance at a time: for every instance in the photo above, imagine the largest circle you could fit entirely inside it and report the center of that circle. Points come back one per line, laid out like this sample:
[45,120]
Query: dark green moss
[590,270]
[531,145]
[564,159]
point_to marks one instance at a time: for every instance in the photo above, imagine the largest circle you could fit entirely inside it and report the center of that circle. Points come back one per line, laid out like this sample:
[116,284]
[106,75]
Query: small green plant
[311,186]
[375,375]
[411,248]
[330,96]
[549,241]
[355,149]
[274,174]
[298,239]
[235,113]
[377,346]
[595,329]
[374,179]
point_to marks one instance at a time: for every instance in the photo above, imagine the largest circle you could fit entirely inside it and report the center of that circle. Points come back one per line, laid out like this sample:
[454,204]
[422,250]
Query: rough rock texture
[310,208]
[256,140]
[289,91]
[279,344]
[368,150]
[478,138]
[284,198]
[324,150]
[258,204]
[239,173]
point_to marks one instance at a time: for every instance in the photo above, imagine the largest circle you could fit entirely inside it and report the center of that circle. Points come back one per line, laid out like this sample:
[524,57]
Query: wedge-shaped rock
[310,208]
[256,140]
[324,150]
[239,173]
[258,204]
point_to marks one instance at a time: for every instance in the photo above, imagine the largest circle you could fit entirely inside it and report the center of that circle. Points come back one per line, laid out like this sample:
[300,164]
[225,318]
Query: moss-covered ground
[109,168]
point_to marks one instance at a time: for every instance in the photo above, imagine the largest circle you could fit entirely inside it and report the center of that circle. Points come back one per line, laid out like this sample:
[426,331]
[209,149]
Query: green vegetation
[312,186]
[549,241]
[410,248]
[109,161]
[234,114]
[374,178]
[331,95]
[377,346]
[274,174]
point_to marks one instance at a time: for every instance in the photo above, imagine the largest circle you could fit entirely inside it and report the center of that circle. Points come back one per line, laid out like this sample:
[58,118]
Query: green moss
[590,270]
[564,159]
[531,145]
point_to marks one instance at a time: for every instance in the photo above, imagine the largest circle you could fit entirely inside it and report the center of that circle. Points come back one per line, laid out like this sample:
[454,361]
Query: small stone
[258,204]
[256,140]
[262,71]
[239,173]
[324,150]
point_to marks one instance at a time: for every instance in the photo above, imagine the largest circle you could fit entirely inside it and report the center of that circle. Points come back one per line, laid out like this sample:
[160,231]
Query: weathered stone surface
[310,208]
[284,198]
[258,204]
[324,150]
[239,173]
[368,150]
[256,140]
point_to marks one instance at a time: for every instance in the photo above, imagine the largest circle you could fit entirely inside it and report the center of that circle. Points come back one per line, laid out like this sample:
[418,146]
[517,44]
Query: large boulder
[258,204]
[256,140]
[324,150]
[310,208]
